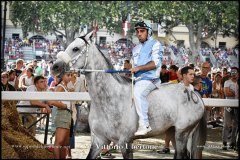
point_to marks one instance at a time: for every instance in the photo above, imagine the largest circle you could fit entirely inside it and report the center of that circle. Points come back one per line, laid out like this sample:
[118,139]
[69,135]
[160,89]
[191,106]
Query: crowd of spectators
[119,51]
[14,47]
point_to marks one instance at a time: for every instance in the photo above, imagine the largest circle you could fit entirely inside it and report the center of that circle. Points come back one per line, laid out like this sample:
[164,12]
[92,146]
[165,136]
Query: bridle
[71,61]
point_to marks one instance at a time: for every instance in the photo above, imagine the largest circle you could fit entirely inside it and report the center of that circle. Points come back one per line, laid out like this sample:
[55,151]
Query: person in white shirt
[27,79]
[230,114]
[28,119]
[187,77]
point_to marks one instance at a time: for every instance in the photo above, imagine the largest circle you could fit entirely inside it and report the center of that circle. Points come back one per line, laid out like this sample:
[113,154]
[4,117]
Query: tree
[53,16]
[198,16]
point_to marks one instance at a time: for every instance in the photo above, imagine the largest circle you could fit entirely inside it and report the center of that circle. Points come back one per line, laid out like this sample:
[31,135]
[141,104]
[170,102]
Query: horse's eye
[75,49]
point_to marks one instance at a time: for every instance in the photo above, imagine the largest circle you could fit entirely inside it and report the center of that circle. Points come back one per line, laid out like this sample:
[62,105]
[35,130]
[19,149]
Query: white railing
[84,96]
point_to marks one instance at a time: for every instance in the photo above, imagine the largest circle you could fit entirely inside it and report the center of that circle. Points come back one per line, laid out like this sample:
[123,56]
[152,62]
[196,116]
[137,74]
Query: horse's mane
[119,78]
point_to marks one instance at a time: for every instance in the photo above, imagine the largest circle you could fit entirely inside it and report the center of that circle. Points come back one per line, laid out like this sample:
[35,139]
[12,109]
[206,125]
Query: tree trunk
[191,40]
[195,44]
[70,35]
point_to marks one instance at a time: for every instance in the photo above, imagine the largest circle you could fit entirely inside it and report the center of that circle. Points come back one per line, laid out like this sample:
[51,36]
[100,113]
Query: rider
[147,60]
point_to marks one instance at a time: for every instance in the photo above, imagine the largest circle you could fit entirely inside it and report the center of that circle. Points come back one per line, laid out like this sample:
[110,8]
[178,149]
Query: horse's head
[75,56]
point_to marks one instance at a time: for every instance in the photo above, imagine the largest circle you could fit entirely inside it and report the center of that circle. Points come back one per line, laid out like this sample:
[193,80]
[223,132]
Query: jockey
[147,60]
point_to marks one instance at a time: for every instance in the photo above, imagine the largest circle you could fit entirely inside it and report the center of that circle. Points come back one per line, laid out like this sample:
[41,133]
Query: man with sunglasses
[147,60]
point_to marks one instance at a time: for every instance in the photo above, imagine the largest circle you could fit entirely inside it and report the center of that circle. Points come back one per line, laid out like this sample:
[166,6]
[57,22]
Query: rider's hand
[135,69]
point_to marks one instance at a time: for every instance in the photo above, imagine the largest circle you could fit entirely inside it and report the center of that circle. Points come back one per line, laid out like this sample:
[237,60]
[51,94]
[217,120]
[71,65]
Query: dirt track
[212,148]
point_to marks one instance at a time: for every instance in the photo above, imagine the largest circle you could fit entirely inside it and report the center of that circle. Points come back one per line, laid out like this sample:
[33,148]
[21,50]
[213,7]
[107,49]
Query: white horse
[173,108]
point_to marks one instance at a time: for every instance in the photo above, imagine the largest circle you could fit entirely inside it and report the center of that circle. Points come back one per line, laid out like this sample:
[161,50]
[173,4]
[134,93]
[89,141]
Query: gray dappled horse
[173,108]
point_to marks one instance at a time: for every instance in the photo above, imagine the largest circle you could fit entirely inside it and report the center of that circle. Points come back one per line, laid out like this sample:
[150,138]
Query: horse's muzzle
[64,57]
[58,67]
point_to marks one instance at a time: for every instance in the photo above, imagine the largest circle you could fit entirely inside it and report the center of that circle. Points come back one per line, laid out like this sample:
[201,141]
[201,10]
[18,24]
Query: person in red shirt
[173,74]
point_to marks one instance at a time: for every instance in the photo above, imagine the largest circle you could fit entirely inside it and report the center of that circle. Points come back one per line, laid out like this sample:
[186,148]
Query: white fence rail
[84,96]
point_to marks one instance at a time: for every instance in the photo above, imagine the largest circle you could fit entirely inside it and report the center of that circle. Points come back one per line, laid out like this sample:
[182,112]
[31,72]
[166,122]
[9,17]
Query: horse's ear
[89,36]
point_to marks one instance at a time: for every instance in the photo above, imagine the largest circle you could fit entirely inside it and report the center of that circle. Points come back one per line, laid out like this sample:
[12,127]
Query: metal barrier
[45,115]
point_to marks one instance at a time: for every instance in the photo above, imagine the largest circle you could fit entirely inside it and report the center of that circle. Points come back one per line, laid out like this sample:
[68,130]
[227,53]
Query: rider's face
[142,34]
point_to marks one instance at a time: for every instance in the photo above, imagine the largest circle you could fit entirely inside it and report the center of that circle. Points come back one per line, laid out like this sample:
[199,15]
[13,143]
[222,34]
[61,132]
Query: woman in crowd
[217,92]
[63,119]
[27,79]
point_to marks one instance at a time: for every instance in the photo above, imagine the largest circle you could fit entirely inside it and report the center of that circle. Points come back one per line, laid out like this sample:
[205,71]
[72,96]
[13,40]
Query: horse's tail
[199,138]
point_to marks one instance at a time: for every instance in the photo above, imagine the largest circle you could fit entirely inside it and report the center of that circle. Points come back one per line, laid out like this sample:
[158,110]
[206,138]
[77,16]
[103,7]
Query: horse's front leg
[96,146]
[126,149]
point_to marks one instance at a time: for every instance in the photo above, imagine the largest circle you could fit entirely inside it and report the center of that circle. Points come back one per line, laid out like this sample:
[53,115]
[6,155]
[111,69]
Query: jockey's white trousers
[142,88]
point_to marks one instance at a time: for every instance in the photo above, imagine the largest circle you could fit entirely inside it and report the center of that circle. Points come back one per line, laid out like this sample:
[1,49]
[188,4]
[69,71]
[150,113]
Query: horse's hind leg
[96,147]
[171,133]
[181,145]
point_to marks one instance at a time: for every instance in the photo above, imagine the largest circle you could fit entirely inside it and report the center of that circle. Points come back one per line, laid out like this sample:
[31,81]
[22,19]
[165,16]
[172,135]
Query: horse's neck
[101,86]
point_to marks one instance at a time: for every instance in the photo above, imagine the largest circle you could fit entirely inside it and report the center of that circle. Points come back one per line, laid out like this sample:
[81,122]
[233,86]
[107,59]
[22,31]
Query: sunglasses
[233,72]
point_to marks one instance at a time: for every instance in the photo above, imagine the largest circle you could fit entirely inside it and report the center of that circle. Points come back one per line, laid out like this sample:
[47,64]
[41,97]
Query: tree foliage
[198,16]
[53,16]
[50,16]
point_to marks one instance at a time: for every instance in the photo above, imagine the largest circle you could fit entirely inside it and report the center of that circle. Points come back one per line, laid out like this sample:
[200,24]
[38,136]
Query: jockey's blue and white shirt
[143,53]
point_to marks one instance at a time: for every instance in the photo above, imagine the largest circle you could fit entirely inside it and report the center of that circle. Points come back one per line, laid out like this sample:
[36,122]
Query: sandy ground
[147,148]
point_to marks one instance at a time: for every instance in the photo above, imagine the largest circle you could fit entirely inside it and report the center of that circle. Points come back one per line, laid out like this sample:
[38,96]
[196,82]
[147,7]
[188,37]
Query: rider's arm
[157,51]
[149,66]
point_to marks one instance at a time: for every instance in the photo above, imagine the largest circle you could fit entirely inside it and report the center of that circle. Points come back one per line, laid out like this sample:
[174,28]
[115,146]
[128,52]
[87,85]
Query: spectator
[28,119]
[225,77]
[37,69]
[54,83]
[188,77]
[5,86]
[13,78]
[127,66]
[230,119]
[217,91]
[164,74]
[19,66]
[207,85]
[28,79]
[192,65]
[173,74]
[197,84]
[63,118]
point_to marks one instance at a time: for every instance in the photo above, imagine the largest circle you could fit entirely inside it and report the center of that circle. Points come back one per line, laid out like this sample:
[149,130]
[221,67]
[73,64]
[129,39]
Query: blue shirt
[206,86]
[50,79]
[143,53]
